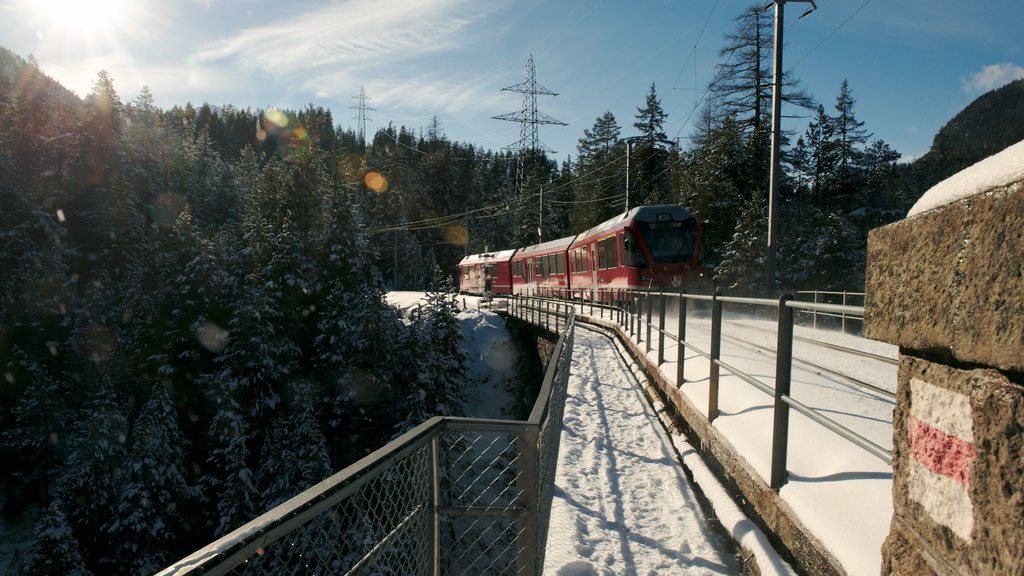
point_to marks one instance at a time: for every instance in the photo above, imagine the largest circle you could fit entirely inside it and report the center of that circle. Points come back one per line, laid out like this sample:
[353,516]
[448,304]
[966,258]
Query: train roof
[657,213]
[484,257]
[549,246]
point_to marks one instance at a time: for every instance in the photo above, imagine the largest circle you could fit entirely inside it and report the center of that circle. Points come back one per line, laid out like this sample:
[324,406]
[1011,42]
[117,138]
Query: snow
[1001,169]
[841,493]
[622,503]
[492,359]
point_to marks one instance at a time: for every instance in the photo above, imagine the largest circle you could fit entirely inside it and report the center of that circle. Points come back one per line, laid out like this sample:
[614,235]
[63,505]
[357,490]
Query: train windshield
[669,242]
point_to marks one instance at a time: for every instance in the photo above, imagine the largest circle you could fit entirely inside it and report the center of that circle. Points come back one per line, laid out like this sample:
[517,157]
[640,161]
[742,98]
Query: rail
[634,311]
[452,496]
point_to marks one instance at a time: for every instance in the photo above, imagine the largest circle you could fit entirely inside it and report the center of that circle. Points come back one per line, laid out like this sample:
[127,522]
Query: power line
[830,34]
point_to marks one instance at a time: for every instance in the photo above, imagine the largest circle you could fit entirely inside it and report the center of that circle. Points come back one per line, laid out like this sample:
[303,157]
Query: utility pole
[773,186]
[540,218]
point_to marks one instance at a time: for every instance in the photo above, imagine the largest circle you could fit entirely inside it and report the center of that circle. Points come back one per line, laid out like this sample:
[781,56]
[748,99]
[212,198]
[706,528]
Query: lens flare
[456,235]
[166,208]
[212,337]
[276,117]
[375,181]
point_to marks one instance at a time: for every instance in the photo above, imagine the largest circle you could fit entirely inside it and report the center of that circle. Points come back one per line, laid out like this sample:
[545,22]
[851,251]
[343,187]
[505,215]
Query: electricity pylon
[529,118]
[361,117]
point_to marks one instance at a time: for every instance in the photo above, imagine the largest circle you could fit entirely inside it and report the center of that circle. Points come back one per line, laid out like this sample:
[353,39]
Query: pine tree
[93,471]
[743,263]
[599,182]
[742,88]
[54,549]
[154,491]
[649,159]
[850,140]
[295,455]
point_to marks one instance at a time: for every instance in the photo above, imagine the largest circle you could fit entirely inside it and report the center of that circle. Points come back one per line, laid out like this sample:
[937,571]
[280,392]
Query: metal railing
[843,298]
[635,312]
[452,496]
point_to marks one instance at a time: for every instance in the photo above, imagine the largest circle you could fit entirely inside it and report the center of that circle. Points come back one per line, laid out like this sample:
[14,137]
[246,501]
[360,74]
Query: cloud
[991,77]
[352,34]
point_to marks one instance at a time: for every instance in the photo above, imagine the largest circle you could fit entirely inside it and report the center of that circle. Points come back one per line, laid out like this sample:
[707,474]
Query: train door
[593,265]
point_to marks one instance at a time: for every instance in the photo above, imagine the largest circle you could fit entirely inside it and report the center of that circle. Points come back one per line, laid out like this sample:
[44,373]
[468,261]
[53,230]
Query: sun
[81,18]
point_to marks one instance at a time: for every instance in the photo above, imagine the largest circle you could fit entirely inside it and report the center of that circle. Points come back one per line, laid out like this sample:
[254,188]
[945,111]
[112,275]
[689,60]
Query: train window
[607,255]
[631,254]
[670,242]
[517,268]
[559,264]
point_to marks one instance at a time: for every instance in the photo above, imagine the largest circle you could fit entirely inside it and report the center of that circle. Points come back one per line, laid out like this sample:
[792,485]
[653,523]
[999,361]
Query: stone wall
[947,287]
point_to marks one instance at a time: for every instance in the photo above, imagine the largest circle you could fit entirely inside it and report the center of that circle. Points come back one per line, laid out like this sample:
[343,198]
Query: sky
[911,65]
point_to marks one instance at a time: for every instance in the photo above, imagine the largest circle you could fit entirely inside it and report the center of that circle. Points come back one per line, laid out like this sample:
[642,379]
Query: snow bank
[1000,169]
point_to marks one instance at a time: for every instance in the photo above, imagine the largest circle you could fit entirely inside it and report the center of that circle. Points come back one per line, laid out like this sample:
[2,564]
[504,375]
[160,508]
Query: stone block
[957,524]
[950,281]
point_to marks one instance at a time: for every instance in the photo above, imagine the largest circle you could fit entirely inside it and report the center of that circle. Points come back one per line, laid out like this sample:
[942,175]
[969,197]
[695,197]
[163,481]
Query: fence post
[527,482]
[661,328]
[681,335]
[716,352]
[647,298]
[435,522]
[783,374]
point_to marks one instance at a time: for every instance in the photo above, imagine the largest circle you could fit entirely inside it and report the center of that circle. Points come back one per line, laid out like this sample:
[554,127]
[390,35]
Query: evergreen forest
[193,325]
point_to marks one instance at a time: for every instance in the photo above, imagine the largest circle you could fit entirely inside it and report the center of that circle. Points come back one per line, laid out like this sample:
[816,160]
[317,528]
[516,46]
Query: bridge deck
[622,502]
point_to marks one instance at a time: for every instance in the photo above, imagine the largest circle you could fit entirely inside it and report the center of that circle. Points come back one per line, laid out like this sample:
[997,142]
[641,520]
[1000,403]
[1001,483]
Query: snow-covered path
[622,503]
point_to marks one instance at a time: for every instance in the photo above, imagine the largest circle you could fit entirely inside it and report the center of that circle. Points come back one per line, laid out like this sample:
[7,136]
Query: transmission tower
[529,118]
[361,117]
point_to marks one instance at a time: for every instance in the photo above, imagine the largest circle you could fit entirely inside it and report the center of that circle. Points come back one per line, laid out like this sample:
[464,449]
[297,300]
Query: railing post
[716,352]
[635,315]
[528,484]
[681,335]
[647,298]
[783,374]
[814,313]
[661,328]
[435,521]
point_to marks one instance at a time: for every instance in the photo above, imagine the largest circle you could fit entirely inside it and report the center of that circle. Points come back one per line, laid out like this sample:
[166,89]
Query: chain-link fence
[454,496]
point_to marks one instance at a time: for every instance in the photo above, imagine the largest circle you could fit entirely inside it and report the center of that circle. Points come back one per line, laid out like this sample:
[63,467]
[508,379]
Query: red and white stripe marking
[941,440]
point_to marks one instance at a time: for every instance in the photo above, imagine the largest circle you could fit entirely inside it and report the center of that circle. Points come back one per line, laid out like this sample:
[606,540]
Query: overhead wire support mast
[529,118]
[361,117]
[773,185]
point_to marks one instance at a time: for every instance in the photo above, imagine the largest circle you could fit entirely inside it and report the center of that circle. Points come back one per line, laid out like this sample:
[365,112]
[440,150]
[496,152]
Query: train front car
[486,274]
[647,248]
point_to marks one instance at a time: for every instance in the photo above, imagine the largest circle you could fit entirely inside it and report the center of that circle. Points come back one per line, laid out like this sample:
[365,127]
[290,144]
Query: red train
[646,248]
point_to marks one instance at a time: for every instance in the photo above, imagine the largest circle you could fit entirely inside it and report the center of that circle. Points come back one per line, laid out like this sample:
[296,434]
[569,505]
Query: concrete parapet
[947,287]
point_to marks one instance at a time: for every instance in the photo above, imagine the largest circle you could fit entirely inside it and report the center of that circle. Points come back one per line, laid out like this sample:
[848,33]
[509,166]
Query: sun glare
[81,18]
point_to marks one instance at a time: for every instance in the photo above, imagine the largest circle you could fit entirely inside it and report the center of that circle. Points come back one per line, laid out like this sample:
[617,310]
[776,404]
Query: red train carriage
[541,269]
[647,248]
[486,274]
